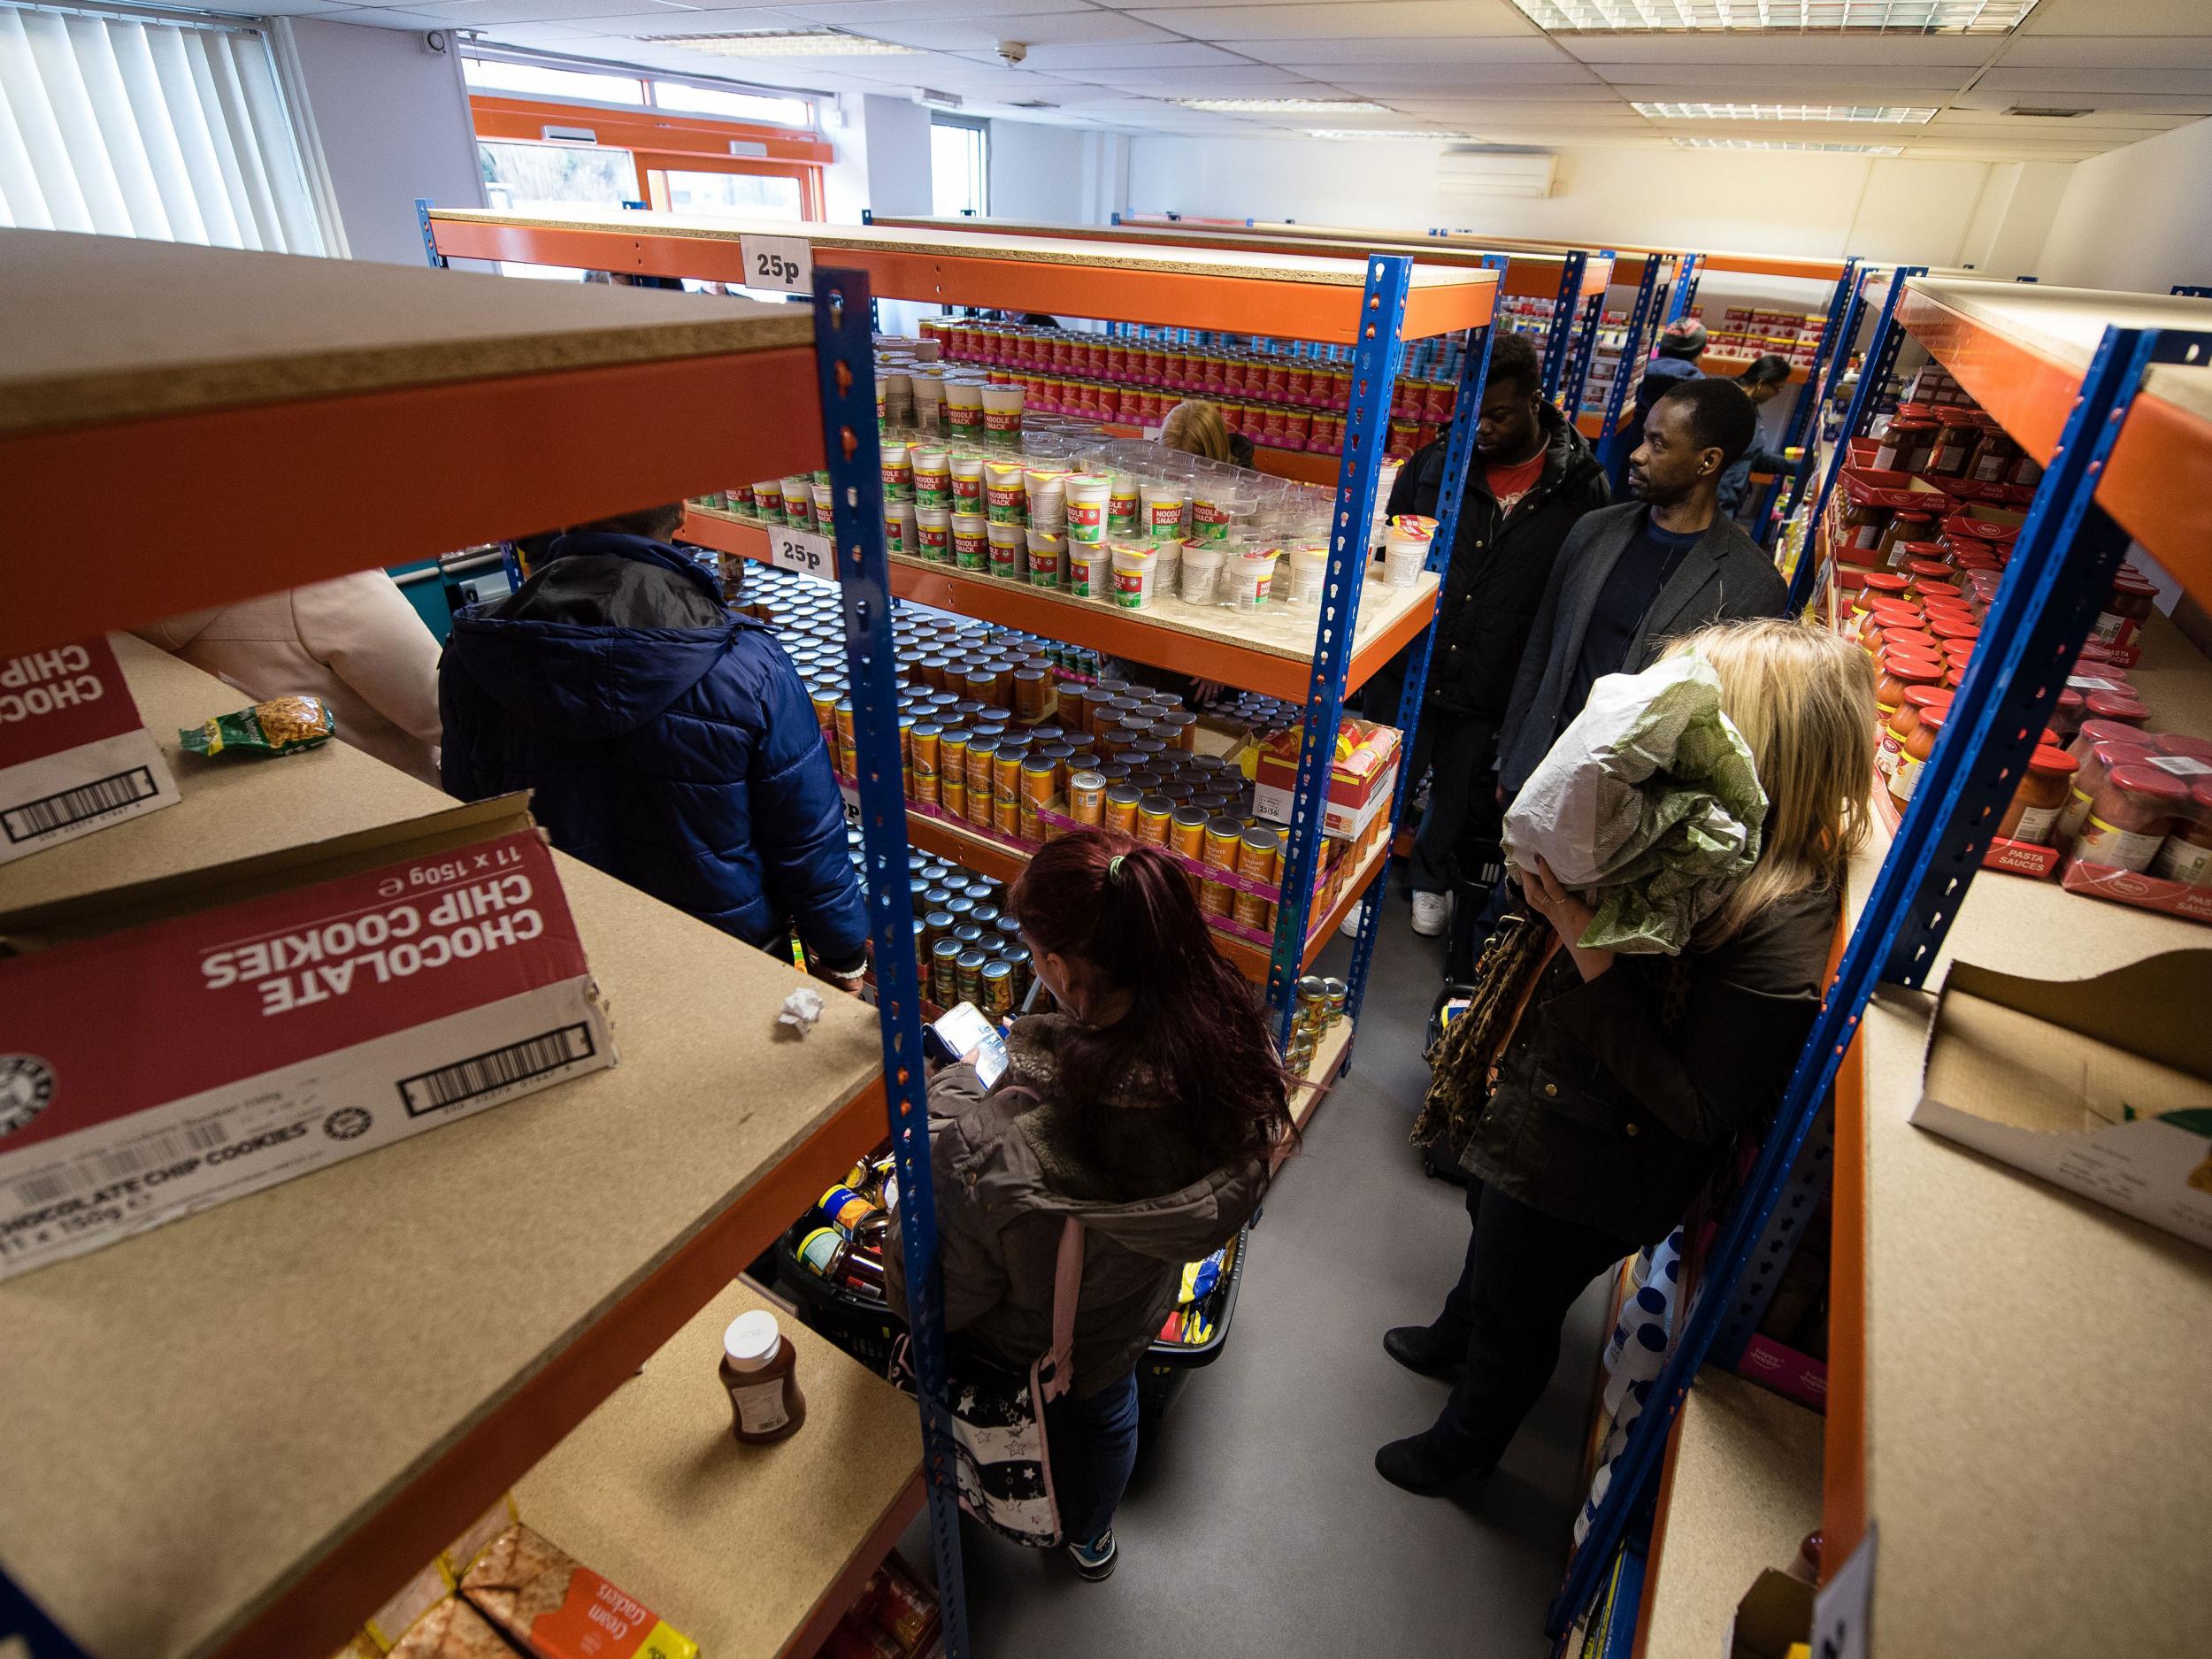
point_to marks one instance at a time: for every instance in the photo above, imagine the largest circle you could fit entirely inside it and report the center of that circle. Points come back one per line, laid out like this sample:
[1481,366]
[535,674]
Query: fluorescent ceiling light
[1286,106]
[1388,132]
[1789,143]
[819,42]
[1784,112]
[1878,17]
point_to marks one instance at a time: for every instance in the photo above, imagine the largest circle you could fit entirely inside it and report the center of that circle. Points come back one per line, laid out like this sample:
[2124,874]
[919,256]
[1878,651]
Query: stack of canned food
[967,947]
[1320,1006]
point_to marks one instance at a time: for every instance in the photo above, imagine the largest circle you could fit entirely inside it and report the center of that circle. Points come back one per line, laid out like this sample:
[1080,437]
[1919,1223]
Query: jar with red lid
[1905,446]
[2068,711]
[1850,583]
[1900,728]
[1900,670]
[1885,585]
[2096,757]
[2124,706]
[1919,743]
[1865,607]
[1929,592]
[2185,855]
[2134,807]
[2176,744]
[1946,626]
[1879,623]
[2116,731]
[2125,609]
[1907,527]
[1994,456]
[2027,473]
[1958,432]
[2037,803]
[1924,569]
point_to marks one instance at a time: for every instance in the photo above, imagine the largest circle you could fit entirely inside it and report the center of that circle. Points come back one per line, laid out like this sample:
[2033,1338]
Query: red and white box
[168,1047]
[1362,778]
[74,756]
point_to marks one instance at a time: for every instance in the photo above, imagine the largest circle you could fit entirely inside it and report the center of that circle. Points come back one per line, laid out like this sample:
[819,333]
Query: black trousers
[1523,1272]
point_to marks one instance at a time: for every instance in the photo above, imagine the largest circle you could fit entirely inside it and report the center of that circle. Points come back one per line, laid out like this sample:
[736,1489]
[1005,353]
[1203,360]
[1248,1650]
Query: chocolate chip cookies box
[74,756]
[171,1046]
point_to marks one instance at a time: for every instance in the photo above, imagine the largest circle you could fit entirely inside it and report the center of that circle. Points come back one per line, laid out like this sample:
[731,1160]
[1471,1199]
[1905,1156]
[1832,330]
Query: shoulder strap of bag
[1067,1285]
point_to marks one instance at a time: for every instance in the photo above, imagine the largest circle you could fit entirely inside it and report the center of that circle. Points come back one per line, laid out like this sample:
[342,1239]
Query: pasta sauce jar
[2135,807]
[2042,797]
[2186,853]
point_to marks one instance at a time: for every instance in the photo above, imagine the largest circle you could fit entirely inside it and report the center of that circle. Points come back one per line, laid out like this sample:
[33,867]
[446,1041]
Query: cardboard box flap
[2013,1068]
[92,914]
[2153,1008]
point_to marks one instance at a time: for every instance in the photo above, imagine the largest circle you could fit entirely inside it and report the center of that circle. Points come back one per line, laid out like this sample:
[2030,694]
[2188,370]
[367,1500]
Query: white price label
[802,550]
[783,263]
[1844,1608]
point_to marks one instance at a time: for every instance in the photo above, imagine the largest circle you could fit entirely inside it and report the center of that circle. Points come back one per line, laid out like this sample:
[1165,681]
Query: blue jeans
[1093,1447]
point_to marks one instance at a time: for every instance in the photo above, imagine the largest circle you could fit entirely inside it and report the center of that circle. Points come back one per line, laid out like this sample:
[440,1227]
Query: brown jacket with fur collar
[1009,1171]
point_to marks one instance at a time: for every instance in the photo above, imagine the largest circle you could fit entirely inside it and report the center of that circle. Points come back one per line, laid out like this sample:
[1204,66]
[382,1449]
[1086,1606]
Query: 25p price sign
[785,264]
[803,551]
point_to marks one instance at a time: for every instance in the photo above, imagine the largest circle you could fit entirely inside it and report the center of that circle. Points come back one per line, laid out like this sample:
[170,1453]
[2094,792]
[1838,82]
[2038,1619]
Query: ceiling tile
[1777,48]
[859,14]
[1428,48]
[384,17]
[1728,80]
[2119,17]
[1076,58]
[977,34]
[1468,76]
[1370,19]
[2130,52]
[2165,81]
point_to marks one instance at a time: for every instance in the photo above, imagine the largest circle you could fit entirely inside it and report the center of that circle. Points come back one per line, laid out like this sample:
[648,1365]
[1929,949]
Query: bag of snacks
[282,725]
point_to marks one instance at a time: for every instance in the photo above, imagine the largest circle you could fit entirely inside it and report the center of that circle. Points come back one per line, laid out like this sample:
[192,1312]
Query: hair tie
[1113,868]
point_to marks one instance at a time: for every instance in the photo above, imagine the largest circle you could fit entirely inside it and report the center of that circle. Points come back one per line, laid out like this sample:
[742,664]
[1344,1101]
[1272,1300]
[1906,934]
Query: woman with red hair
[1151,1108]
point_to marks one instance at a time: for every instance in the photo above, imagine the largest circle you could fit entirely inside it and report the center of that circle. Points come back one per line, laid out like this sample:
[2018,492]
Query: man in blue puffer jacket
[670,742]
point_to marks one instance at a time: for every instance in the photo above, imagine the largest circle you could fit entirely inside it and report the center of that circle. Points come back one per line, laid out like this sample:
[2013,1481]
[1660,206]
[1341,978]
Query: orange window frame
[661,142]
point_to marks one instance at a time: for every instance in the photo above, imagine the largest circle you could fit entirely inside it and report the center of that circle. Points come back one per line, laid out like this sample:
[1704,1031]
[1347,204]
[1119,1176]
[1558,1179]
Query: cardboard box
[168,1047]
[1775,1615]
[74,756]
[1362,779]
[2098,1086]
[2143,890]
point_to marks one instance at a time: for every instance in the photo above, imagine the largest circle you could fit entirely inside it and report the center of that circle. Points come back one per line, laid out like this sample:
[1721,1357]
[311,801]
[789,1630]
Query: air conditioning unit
[1496,173]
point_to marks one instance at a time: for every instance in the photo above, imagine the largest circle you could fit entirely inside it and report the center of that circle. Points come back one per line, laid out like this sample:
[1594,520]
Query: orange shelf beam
[955,273]
[1117,632]
[1843,1483]
[446,466]
[2158,484]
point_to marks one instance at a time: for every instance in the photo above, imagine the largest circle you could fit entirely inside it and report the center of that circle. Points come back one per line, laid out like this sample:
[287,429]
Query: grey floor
[1256,1523]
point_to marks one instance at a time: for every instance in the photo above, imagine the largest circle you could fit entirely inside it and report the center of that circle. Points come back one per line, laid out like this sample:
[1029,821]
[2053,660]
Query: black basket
[1167,1366]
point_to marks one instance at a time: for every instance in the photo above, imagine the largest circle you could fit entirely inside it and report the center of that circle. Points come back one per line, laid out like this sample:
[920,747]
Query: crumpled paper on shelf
[801,1009]
[1650,800]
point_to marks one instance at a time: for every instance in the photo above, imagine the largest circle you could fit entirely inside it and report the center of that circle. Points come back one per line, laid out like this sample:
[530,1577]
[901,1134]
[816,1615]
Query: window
[539,178]
[130,125]
[733,195]
[741,106]
[959,166]
[538,81]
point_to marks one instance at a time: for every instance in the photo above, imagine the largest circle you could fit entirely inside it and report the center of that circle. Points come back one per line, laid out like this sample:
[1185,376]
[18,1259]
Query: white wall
[392,120]
[1060,174]
[1744,201]
[2138,218]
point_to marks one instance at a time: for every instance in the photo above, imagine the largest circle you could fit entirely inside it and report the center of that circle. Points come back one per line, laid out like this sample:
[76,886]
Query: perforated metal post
[429,236]
[2061,571]
[23,1621]
[845,359]
[1586,345]
[1366,430]
[1612,450]
[1474,372]
[1559,337]
[1684,287]
[1874,372]
[1799,431]
[2192,290]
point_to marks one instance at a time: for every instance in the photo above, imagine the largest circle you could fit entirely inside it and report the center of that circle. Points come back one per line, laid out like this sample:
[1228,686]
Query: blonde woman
[1628,1079]
[1198,427]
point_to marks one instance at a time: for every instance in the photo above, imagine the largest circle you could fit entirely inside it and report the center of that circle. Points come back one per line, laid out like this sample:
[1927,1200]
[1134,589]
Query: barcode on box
[43,817]
[501,1067]
[120,1163]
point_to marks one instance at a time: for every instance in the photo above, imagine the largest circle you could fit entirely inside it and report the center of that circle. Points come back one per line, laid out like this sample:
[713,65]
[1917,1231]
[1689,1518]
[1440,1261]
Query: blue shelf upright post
[429,237]
[2060,574]
[1799,432]
[1474,372]
[845,360]
[1874,372]
[1612,452]
[2192,290]
[1685,288]
[1586,345]
[1366,430]
[1559,337]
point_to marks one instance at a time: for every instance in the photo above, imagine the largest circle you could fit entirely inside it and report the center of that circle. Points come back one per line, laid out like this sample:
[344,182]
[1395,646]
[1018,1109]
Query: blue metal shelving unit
[1800,430]
[1584,351]
[2061,572]
[1650,296]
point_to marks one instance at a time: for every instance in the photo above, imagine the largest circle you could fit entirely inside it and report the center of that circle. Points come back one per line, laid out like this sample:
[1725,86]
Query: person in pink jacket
[354,642]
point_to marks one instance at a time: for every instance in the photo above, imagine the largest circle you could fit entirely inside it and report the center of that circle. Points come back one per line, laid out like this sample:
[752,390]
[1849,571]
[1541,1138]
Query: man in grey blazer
[1630,578]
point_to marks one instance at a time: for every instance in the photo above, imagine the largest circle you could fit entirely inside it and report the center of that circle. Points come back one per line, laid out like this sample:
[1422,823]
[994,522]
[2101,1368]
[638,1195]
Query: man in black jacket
[1634,576]
[1532,478]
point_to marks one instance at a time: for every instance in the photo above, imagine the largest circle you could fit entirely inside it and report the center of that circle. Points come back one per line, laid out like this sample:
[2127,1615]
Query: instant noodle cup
[933,476]
[898,527]
[1087,494]
[824,508]
[1202,563]
[1248,571]
[934,535]
[963,409]
[1209,511]
[1308,573]
[971,547]
[1002,413]
[768,500]
[1134,563]
[1090,571]
[929,402]
[967,483]
[1006,549]
[798,502]
[1047,558]
[898,471]
[1047,497]
[1406,548]
[1005,492]
[1163,506]
[1123,506]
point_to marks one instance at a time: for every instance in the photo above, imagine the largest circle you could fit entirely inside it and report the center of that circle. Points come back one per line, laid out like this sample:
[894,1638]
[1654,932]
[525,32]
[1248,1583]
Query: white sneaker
[1349,926]
[1431,913]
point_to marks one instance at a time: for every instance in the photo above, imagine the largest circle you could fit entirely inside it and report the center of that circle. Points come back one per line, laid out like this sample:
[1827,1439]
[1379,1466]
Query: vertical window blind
[132,125]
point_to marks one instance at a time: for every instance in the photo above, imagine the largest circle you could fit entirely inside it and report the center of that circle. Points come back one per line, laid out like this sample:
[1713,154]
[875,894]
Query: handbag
[1463,1060]
[996,1414]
